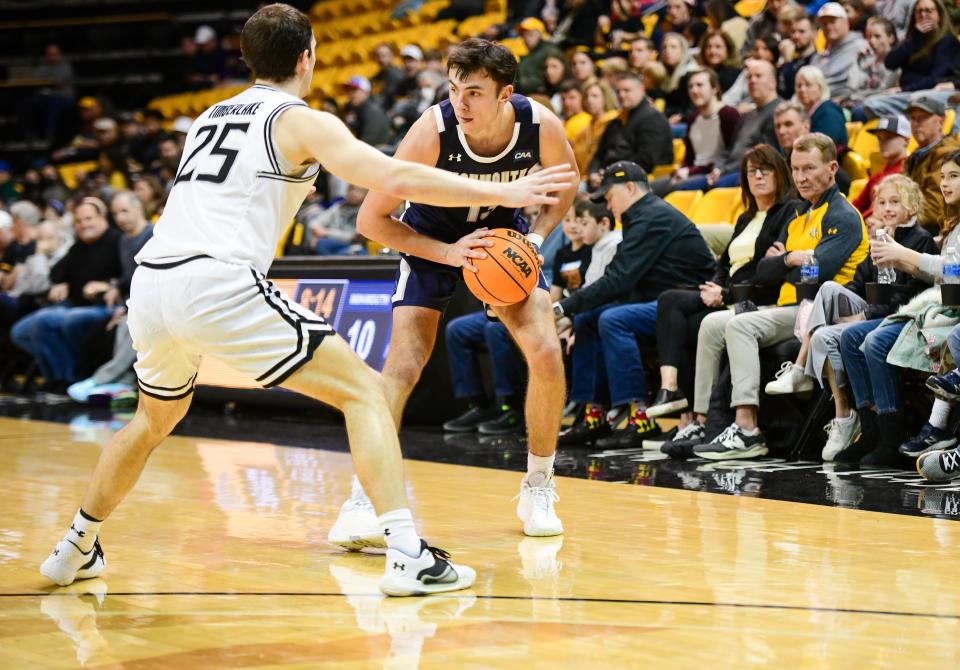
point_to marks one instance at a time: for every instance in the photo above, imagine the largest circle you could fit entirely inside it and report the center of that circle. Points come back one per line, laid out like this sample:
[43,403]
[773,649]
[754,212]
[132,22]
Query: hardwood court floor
[218,560]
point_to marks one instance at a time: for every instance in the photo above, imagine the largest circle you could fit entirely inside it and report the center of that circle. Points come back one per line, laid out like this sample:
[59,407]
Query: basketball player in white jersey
[489,133]
[200,290]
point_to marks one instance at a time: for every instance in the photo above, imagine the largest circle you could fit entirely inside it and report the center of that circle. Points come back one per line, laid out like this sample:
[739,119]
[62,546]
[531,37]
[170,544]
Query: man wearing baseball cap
[926,113]
[893,134]
[530,77]
[661,249]
[843,47]
[363,117]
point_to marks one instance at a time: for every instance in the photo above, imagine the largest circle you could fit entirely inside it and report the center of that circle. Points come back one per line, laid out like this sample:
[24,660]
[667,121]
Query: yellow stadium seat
[662,171]
[516,45]
[684,201]
[679,150]
[856,165]
[749,8]
[948,121]
[71,172]
[820,42]
[716,206]
[649,24]
[853,127]
[865,143]
[660,104]
[856,188]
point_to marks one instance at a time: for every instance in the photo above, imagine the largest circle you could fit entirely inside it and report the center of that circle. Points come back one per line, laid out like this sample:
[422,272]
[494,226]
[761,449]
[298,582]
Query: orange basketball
[510,271]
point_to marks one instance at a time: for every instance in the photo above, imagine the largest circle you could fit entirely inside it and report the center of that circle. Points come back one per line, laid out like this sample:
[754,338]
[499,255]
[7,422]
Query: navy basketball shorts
[423,283]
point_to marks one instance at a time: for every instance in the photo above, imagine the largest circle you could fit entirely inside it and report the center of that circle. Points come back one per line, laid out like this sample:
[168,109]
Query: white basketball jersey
[234,195]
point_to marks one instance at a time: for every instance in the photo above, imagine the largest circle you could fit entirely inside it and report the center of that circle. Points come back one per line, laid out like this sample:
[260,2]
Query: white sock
[83,531]
[400,532]
[755,431]
[940,414]
[357,492]
[539,468]
[845,419]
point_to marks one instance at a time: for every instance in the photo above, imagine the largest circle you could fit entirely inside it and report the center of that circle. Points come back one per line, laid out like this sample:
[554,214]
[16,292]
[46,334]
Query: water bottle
[810,270]
[951,266]
[885,273]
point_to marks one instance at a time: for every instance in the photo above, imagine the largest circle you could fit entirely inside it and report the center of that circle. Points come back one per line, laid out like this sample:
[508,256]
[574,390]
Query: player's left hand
[536,188]
[470,246]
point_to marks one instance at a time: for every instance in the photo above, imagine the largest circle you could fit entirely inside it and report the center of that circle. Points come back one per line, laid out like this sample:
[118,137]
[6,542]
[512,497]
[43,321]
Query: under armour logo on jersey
[454,157]
[521,155]
[399,566]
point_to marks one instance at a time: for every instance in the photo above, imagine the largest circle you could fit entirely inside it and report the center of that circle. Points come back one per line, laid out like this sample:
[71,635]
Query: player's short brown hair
[479,55]
[273,39]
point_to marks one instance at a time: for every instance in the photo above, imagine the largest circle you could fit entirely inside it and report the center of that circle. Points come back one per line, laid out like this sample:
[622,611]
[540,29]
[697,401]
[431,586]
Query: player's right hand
[536,188]
[460,253]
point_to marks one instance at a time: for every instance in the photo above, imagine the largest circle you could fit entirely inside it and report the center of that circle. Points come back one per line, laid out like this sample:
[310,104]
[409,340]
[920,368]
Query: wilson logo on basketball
[518,260]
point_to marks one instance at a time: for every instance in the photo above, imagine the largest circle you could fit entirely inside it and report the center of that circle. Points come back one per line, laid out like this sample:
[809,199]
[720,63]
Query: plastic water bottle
[951,266]
[885,273]
[810,270]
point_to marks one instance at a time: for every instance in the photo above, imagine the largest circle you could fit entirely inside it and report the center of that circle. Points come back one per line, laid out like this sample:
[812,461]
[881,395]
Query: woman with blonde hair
[599,103]
[813,92]
[675,56]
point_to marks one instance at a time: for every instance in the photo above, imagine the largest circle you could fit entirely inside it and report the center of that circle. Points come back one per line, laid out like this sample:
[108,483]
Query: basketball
[510,271]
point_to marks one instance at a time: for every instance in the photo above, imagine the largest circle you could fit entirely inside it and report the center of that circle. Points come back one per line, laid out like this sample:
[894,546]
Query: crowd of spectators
[761,103]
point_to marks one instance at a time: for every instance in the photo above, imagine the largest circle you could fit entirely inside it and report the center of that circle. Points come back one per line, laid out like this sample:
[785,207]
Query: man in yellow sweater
[832,230]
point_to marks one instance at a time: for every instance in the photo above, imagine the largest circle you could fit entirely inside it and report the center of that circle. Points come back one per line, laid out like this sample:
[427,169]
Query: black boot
[467,422]
[869,438]
[892,434]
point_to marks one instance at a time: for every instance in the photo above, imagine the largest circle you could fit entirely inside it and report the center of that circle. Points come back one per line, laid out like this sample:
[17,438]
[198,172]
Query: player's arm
[555,150]
[305,135]
[375,219]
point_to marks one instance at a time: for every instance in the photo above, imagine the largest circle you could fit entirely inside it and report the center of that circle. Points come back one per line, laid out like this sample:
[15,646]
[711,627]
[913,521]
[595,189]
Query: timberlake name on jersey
[499,177]
[235,110]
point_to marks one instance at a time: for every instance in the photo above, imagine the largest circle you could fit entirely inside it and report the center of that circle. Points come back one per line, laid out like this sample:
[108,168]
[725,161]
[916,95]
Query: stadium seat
[749,8]
[856,188]
[684,201]
[948,121]
[856,165]
[717,206]
[679,150]
[71,172]
[853,127]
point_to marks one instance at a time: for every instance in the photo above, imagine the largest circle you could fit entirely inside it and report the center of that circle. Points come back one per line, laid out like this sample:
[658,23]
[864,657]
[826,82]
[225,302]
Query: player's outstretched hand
[468,247]
[537,188]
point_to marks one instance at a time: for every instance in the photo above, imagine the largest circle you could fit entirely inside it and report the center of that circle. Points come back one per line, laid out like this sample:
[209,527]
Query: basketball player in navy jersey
[486,132]
[200,290]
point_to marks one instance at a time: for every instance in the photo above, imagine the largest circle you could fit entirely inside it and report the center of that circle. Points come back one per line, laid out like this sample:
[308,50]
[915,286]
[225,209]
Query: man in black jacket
[57,335]
[641,134]
[660,250]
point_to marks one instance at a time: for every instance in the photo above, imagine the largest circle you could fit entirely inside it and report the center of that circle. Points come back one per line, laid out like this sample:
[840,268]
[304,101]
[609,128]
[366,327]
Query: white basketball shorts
[185,309]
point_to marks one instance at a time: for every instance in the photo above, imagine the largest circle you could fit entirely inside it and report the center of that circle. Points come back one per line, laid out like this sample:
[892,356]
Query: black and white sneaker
[67,563]
[682,443]
[667,402]
[947,386]
[430,572]
[733,442]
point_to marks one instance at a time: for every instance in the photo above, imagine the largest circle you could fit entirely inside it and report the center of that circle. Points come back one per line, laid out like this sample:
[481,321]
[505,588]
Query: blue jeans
[56,337]
[619,329]
[872,380]
[465,336]
[588,371]
[699,182]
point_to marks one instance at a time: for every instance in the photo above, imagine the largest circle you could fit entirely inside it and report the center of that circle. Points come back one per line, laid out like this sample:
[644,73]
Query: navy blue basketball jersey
[449,224]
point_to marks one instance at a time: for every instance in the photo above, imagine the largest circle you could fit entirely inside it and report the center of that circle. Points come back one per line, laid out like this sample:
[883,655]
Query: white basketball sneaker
[357,527]
[67,563]
[535,508]
[430,572]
